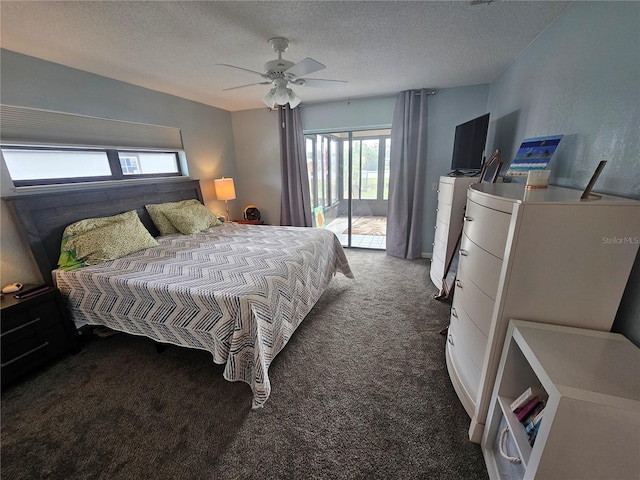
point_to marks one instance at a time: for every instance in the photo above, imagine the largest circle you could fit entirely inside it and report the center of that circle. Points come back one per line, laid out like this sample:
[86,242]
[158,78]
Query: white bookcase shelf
[592,416]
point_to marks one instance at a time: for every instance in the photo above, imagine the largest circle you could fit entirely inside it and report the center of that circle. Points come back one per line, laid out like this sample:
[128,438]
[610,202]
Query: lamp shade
[294,100]
[281,95]
[269,98]
[225,189]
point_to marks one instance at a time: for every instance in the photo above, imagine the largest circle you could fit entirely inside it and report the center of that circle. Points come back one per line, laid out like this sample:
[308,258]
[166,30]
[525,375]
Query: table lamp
[225,190]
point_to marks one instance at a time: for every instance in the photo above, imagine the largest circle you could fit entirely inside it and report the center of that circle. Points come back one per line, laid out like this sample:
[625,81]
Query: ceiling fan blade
[247,85]
[304,67]
[244,69]
[319,83]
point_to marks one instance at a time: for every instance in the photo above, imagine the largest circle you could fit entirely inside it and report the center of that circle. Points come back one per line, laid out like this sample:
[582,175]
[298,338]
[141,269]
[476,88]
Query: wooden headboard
[44,216]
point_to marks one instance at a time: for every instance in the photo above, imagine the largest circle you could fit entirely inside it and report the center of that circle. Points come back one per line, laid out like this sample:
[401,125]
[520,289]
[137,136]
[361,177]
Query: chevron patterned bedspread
[237,291]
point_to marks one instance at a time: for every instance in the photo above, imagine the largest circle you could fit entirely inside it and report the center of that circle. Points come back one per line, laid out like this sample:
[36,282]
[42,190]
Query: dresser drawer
[42,314]
[481,267]
[487,228]
[468,336]
[34,331]
[445,193]
[443,214]
[468,373]
[439,251]
[441,233]
[28,344]
[437,268]
[437,271]
[477,304]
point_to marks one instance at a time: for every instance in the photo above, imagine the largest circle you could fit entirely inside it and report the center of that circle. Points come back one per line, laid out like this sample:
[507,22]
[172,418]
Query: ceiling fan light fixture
[269,98]
[294,100]
[281,95]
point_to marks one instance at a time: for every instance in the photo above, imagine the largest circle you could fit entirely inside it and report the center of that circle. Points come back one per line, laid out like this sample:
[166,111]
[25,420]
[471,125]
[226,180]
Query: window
[129,164]
[148,163]
[48,165]
[328,164]
[25,165]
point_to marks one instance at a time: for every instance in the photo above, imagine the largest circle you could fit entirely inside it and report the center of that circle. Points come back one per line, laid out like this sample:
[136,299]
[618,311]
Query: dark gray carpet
[361,391]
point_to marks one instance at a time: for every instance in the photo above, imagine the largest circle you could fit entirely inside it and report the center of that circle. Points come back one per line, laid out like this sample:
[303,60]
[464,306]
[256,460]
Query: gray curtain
[295,204]
[407,174]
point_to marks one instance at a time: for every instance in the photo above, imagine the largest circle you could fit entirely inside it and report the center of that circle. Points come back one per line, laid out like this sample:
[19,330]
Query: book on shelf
[535,422]
[526,397]
[526,411]
[534,434]
[532,414]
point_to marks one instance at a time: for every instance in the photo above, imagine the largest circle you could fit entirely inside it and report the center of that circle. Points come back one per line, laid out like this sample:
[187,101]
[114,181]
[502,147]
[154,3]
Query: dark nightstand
[35,330]
[249,222]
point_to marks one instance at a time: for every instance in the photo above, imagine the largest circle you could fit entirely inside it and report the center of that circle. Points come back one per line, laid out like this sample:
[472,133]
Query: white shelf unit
[591,422]
[452,196]
[544,255]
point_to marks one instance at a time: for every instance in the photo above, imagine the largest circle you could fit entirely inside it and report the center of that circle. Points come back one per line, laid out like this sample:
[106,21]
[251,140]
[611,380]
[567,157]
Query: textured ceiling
[379,47]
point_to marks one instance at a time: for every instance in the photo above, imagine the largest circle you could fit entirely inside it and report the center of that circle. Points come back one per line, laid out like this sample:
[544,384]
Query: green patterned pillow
[192,218]
[111,241]
[157,212]
[68,259]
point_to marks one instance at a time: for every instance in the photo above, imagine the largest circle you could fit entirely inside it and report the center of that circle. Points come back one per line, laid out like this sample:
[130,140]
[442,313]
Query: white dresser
[452,197]
[543,255]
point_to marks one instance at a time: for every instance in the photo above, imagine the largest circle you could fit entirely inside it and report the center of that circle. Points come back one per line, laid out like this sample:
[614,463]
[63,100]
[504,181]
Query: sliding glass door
[349,184]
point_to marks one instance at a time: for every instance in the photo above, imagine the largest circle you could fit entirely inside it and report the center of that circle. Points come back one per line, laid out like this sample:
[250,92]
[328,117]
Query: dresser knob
[467,218]
[464,253]
[454,313]
[450,340]
[458,284]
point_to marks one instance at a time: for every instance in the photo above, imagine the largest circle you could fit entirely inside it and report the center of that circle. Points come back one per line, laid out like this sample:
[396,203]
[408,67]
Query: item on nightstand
[12,287]
[251,212]
[30,290]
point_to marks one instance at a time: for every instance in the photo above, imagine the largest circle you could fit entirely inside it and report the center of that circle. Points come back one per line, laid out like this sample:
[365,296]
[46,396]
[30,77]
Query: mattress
[236,291]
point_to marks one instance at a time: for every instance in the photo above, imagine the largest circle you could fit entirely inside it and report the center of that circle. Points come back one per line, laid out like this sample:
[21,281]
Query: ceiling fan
[280,73]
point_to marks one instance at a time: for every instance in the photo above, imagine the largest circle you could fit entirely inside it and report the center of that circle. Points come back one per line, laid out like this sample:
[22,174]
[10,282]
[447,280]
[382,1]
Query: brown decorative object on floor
[375,226]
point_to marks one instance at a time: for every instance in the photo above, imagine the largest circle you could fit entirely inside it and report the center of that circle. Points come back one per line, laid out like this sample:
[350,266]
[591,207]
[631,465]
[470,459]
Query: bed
[237,291]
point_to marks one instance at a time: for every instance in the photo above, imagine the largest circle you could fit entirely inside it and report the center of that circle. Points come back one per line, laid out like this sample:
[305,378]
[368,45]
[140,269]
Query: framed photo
[533,154]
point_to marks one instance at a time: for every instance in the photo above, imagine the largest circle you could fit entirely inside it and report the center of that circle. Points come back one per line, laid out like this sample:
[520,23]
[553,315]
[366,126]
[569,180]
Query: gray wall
[446,109]
[257,147]
[581,78]
[30,82]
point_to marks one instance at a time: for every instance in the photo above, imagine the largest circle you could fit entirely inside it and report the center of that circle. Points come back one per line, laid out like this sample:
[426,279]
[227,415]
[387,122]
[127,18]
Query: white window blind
[31,126]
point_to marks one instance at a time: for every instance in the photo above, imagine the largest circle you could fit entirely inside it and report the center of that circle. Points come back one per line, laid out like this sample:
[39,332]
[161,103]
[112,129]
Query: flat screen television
[468,145]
